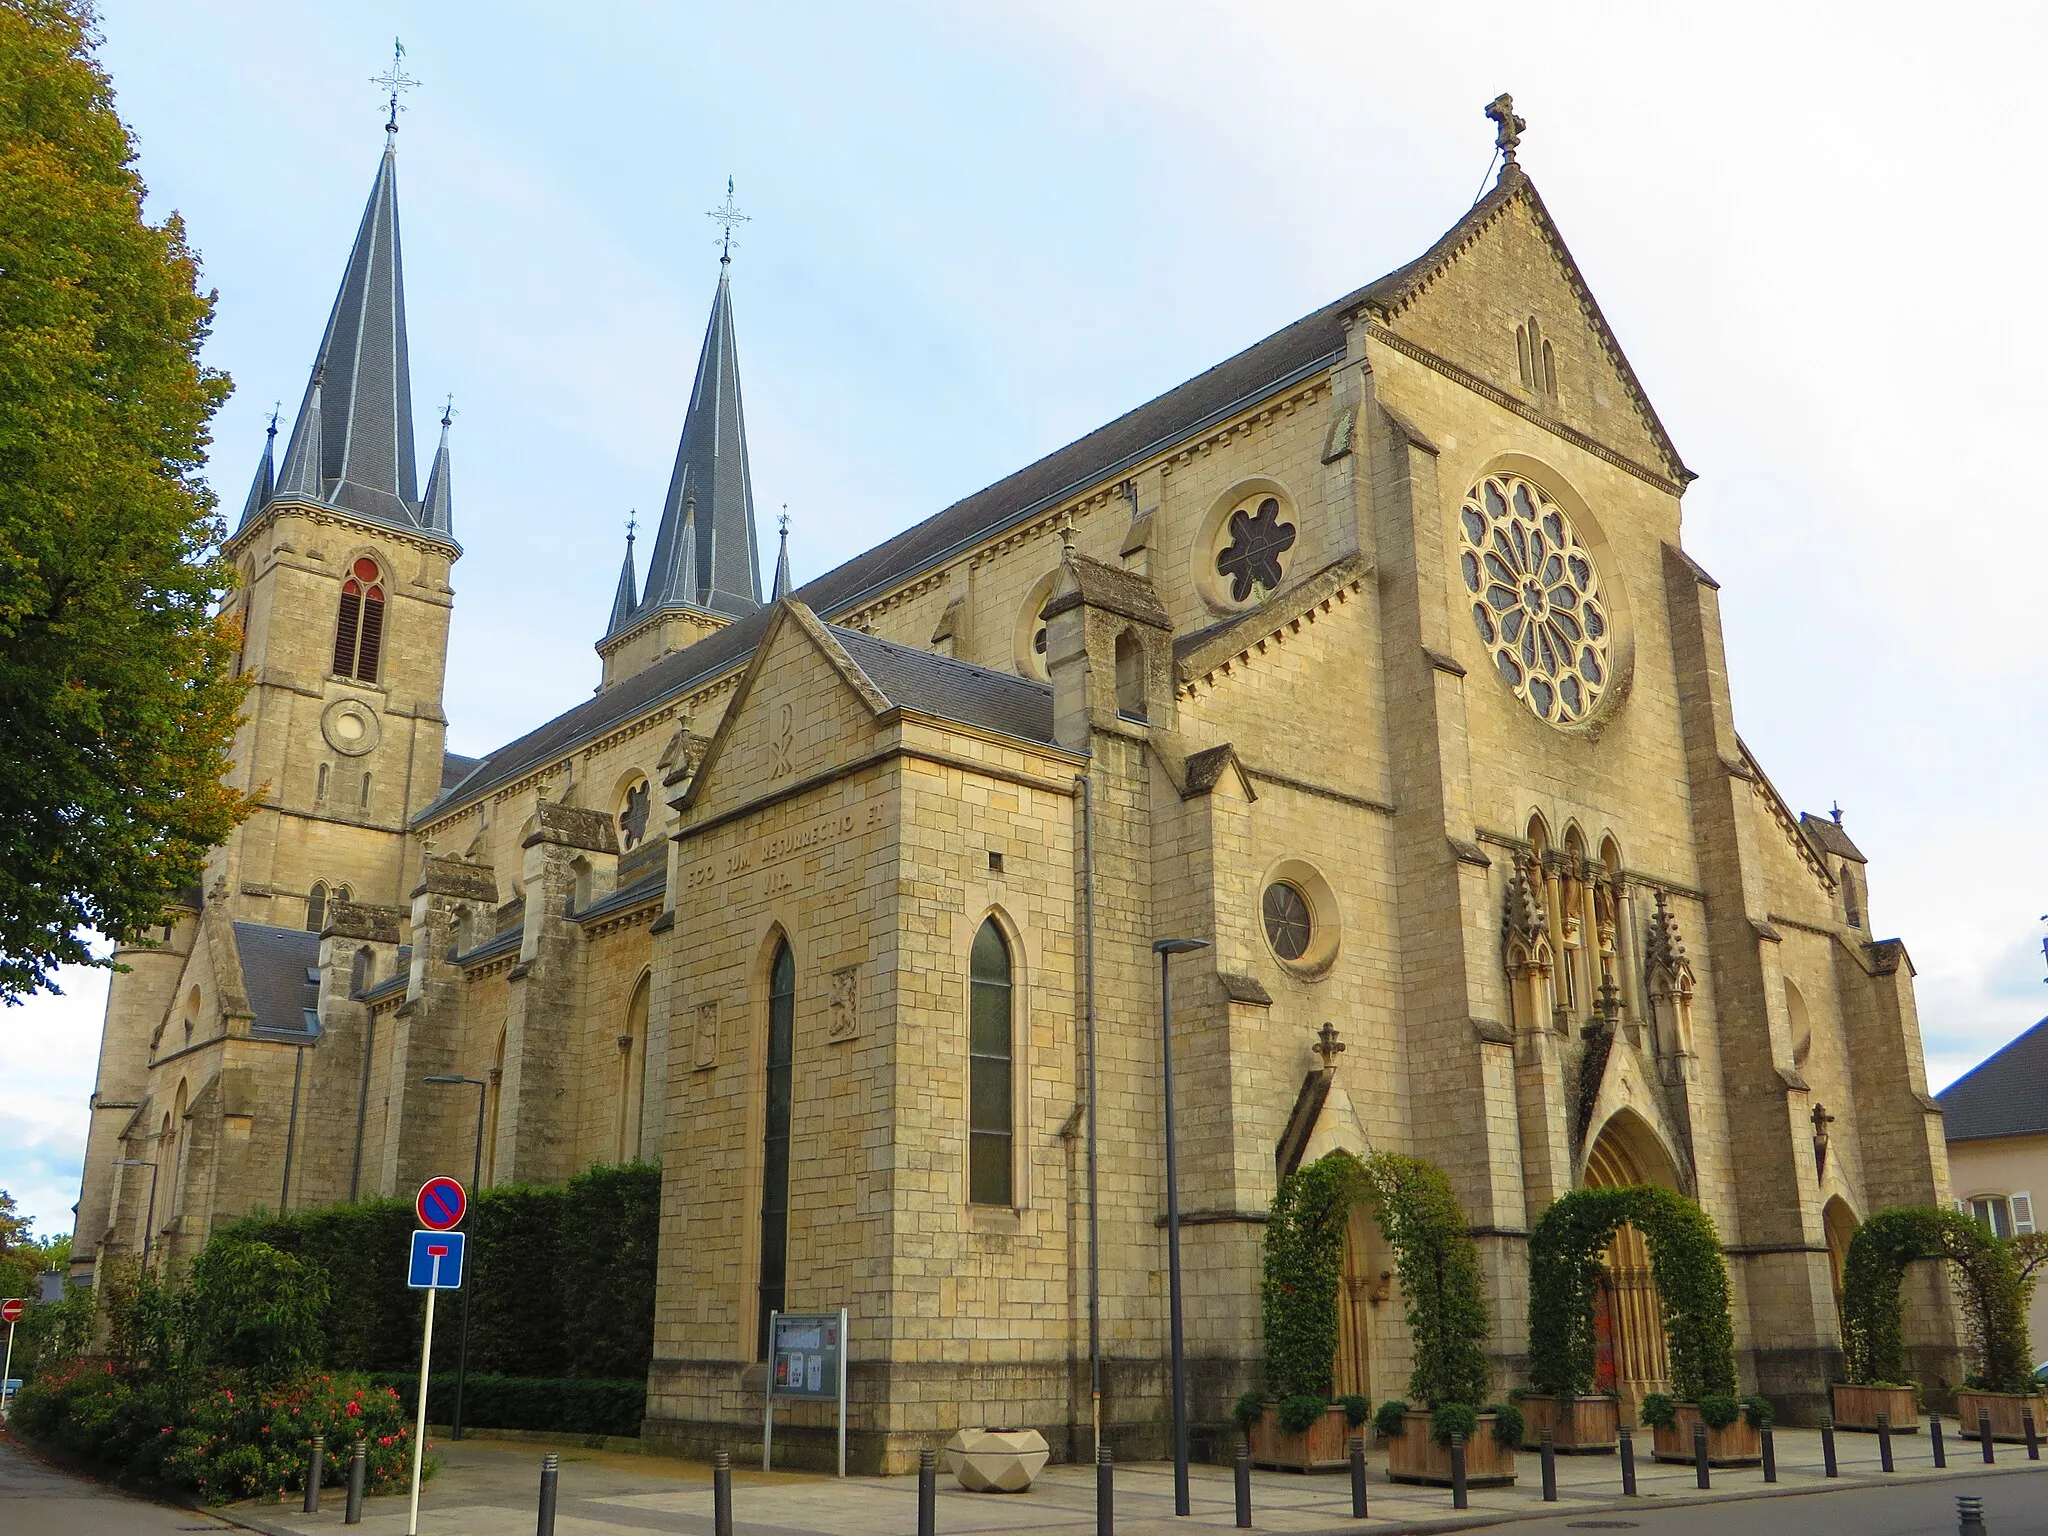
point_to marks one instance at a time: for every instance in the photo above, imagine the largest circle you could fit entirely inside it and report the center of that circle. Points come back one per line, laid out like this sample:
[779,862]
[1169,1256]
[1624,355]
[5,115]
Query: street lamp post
[148,1221]
[476,1177]
[1166,949]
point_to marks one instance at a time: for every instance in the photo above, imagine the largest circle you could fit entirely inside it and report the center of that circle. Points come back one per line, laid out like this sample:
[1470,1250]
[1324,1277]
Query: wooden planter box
[1858,1407]
[1414,1456]
[2005,1409]
[1324,1446]
[1579,1426]
[1736,1445]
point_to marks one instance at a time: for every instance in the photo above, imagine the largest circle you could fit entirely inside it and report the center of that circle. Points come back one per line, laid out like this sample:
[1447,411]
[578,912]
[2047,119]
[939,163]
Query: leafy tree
[118,693]
[255,1308]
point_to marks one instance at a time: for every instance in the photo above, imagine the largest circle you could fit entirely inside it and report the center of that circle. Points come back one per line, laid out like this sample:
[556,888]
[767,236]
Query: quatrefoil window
[633,815]
[1252,561]
[1537,603]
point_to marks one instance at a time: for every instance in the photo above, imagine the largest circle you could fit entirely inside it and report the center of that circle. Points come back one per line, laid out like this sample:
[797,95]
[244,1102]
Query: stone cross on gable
[1508,127]
[1328,1046]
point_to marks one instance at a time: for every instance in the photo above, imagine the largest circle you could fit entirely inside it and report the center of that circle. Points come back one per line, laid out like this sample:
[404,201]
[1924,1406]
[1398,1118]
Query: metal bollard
[1699,1456]
[550,1470]
[358,1468]
[1984,1438]
[2026,1419]
[1358,1477]
[1105,1493]
[927,1492]
[1244,1486]
[1548,1449]
[1627,1437]
[1827,1449]
[1458,1495]
[721,1493]
[1770,1455]
[1969,1515]
[1934,1439]
[1884,1442]
[316,1469]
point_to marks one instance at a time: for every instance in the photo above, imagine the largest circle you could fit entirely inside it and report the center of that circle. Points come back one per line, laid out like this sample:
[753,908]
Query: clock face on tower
[1536,598]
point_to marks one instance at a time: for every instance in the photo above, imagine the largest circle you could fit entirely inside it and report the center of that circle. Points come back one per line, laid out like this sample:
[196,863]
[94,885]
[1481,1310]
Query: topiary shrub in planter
[1733,1425]
[1304,1251]
[1992,1287]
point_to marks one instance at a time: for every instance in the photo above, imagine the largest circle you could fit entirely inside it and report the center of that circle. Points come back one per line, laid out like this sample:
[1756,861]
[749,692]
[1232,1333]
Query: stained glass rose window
[1258,540]
[1536,598]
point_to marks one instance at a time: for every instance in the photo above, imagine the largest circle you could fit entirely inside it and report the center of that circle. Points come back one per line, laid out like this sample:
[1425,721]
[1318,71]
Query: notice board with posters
[806,1362]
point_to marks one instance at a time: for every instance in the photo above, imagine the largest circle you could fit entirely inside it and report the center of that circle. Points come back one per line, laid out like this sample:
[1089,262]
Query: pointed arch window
[990,1069]
[775,1141]
[359,626]
[633,1076]
[316,907]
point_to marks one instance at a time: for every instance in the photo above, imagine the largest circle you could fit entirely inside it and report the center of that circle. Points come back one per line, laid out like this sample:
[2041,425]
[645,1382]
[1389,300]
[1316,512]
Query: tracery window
[990,1065]
[1251,561]
[775,1141]
[316,907]
[1288,921]
[1537,605]
[633,810]
[359,626]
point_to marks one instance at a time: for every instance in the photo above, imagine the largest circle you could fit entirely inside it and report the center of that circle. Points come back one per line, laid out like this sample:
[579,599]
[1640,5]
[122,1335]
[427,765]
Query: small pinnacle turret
[626,599]
[264,485]
[782,581]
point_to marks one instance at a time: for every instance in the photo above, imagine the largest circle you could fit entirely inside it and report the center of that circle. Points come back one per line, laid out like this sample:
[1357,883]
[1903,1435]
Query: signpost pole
[842,1389]
[768,1398]
[7,1375]
[419,1433]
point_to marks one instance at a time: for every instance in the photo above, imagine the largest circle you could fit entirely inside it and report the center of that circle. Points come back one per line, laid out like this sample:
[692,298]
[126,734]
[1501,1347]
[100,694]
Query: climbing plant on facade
[1685,1260]
[1988,1281]
[1303,1263]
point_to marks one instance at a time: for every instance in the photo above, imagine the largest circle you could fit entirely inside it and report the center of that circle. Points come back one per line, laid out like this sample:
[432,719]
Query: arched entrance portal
[1628,1314]
[1367,1280]
[1840,1224]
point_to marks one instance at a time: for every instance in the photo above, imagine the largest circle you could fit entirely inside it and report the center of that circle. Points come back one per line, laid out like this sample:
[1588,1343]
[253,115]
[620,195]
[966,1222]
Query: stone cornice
[341,517]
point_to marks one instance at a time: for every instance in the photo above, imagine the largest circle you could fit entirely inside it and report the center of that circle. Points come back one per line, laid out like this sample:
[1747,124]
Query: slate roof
[275,964]
[952,690]
[455,768]
[2005,1096]
[1290,355]
[1828,832]
[352,442]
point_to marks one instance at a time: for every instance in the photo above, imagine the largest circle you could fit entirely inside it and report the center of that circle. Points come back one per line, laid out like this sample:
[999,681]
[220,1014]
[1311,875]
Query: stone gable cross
[1508,127]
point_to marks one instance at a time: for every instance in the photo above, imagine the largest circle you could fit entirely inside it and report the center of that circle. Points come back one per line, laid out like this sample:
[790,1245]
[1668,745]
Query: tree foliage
[1685,1260]
[118,693]
[253,1308]
[1990,1280]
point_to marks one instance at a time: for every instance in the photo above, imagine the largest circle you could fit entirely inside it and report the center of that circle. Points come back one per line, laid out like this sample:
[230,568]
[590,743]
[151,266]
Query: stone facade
[1072,717]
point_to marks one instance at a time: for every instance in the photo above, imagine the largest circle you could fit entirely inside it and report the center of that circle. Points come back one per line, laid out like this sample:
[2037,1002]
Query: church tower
[705,570]
[344,604]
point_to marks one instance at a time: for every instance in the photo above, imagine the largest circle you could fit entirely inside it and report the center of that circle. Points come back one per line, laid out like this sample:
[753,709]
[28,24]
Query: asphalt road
[2015,1504]
[38,1500]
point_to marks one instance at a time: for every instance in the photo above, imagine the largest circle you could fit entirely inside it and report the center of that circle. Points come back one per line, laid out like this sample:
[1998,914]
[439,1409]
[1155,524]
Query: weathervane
[396,81]
[1508,127]
[728,215]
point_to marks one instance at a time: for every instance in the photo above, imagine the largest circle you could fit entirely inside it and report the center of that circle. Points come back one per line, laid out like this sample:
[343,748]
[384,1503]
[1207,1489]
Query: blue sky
[980,231]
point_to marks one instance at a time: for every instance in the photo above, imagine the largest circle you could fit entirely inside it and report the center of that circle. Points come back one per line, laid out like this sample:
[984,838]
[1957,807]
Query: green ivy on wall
[1988,1281]
[1685,1260]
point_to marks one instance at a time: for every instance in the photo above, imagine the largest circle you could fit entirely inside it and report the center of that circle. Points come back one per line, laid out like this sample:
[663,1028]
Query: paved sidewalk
[487,1488]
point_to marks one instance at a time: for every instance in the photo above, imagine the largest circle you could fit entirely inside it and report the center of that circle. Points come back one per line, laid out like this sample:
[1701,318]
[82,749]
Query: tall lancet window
[359,627]
[990,1180]
[775,1140]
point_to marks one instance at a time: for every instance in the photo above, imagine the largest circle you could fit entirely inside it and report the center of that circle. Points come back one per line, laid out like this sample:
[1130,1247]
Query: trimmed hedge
[561,1279]
[582,1405]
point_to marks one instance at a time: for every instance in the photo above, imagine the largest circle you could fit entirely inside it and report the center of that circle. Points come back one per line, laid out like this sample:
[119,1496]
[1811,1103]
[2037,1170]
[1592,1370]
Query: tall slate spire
[352,446]
[716,566]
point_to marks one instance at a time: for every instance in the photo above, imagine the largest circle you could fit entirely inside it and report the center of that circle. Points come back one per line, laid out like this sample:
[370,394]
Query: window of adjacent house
[1130,676]
[1996,1214]
[316,907]
[775,1141]
[359,627]
[990,1061]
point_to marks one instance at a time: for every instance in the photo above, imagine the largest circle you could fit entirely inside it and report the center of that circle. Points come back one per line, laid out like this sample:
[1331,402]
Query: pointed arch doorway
[1632,1359]
[1367,1281]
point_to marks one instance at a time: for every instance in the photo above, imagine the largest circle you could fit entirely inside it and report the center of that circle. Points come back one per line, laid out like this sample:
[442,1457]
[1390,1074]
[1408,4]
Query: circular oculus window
[350,727]
[1249,550]
[1536,598]
[1290,924]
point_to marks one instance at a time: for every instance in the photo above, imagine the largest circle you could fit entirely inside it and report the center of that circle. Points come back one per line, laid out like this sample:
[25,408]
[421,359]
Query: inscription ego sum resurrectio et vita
[764,852]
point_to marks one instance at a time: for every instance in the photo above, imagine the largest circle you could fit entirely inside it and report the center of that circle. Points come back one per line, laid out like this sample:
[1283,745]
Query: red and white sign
[441,1204]
[10,1310]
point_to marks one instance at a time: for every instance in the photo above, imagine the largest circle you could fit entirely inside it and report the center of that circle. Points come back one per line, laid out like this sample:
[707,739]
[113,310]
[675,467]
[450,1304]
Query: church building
[1372,658]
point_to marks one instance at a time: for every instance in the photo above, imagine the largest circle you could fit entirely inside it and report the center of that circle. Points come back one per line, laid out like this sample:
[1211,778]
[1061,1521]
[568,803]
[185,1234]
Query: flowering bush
[220,1437]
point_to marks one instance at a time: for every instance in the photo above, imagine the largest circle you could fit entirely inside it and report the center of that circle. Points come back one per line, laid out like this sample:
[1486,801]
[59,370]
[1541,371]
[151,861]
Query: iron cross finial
[396,81]
[1508,128]
[276,410]
[783,521]
[728,216]
[632,523]
[448,410]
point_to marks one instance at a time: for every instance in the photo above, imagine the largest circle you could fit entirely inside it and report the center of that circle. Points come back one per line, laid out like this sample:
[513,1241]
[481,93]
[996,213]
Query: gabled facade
[1373,657]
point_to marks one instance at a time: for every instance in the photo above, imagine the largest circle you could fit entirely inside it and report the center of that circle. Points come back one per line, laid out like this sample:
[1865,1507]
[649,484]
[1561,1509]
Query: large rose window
[1537,599]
